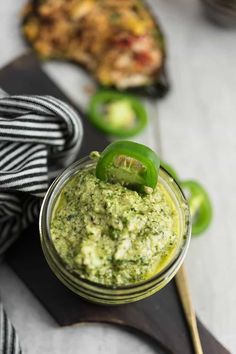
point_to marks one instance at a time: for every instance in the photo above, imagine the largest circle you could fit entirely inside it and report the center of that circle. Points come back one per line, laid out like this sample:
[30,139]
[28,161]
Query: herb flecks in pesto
[110,234]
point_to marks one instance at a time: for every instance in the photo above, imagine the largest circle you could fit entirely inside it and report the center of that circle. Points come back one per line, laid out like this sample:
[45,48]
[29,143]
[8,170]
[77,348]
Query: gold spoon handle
[183,289]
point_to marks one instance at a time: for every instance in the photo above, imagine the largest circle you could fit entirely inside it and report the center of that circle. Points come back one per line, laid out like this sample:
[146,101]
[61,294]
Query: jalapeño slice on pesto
[131,164]
[200,206]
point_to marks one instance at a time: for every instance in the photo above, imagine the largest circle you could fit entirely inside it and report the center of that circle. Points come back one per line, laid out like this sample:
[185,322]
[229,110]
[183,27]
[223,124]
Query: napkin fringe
[9,342]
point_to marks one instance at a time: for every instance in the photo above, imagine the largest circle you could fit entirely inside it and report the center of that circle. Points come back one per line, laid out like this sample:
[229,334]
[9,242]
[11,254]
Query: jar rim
[44,227]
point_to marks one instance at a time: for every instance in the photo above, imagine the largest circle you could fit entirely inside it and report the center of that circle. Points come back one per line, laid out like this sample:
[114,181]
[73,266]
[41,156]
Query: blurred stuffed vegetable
[118,42]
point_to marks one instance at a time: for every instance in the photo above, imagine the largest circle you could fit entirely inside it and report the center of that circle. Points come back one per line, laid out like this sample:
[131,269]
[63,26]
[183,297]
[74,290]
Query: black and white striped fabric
[9,342]
[35,132]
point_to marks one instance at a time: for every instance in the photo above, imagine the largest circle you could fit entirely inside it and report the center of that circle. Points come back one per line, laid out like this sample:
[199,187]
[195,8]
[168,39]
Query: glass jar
[104,294]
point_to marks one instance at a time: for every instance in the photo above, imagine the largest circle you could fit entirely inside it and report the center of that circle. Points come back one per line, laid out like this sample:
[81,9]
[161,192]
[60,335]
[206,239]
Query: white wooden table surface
[198,127]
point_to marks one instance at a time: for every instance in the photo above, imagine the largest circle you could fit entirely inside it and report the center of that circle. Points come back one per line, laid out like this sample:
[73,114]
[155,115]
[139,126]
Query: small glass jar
[104,294]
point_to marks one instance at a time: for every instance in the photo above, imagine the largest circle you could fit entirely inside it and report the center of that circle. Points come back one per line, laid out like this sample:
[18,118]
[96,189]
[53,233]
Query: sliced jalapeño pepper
[170,170]
[200,206]
[131,164]
[117,114]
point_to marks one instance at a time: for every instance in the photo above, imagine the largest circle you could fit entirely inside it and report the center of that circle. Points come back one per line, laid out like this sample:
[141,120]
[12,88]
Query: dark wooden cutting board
[159,317]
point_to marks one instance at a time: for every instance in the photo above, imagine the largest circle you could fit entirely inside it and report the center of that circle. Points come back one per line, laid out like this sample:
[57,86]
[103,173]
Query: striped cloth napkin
[35,132]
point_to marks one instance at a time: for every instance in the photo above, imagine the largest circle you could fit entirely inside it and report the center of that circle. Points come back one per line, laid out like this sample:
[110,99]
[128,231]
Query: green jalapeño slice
[131,164]
[117,114]
[200,206]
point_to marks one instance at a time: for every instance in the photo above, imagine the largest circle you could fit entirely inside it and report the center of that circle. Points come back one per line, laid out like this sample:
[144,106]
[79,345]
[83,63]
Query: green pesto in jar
[112,235]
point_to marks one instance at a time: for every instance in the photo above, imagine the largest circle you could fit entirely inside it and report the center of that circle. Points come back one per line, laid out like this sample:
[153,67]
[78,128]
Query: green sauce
[112,235]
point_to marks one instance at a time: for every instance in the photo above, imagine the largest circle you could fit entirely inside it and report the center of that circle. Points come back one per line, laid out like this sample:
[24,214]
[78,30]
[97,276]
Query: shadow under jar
[110,294]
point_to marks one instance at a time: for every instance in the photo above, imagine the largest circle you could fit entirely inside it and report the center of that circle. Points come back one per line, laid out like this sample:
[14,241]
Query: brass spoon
[183,289]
